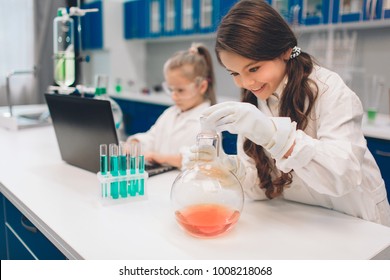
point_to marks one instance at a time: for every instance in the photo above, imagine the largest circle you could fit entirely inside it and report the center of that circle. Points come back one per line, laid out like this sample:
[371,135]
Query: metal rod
[8,87]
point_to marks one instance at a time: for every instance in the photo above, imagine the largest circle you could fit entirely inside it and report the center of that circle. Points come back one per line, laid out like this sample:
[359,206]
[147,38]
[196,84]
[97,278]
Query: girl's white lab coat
[174,131]
[332,166]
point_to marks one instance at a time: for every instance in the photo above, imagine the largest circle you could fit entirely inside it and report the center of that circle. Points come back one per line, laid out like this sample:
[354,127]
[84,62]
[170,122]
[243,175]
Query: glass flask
[207,198]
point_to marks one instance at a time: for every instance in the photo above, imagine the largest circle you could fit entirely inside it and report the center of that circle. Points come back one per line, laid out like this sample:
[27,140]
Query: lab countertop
[380,128]
[63,202]
[158,98]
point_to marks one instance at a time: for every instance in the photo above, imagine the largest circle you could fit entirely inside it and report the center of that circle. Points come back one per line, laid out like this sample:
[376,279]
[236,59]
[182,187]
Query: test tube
[133,185]
[122,169]
[141,169]
[103,167]
[114,170]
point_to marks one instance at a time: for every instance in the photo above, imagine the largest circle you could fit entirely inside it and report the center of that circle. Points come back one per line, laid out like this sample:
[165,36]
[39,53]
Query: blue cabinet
[3,247]
[385,4]
[316,12]
[307,12]
[92,27]
[134,19]
[171,17]
[356,10]
[159,18]
[380,149]
[139,116]
[17,250]
[23,240]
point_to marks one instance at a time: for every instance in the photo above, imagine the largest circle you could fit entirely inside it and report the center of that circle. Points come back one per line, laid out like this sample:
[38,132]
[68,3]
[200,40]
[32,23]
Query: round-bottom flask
[207,198]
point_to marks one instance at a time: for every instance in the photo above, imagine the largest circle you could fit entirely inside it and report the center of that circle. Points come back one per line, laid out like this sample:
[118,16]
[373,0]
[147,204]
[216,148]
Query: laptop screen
[81,125]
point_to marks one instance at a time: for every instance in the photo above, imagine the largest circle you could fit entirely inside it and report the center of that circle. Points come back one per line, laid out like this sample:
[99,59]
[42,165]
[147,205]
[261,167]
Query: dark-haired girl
[299,125]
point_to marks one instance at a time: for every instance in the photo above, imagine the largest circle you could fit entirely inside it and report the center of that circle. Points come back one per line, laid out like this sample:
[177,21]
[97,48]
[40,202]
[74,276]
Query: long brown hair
[253,29]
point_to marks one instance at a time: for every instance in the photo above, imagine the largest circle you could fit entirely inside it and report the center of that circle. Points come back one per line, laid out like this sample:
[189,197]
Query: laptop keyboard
[155,169]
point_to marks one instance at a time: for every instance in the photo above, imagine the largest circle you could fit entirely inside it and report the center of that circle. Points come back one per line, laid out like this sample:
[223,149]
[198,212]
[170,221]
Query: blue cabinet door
[171,17]
[17,249]
[92,27]
[380,149]
[134,19]
[3,247]
[22,233]
[347,11]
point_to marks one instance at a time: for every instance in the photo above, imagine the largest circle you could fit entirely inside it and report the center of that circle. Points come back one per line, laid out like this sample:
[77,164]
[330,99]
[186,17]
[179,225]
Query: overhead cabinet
[163,18]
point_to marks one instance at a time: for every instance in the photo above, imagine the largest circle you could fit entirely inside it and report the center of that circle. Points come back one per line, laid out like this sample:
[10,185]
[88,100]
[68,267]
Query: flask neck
[208,138]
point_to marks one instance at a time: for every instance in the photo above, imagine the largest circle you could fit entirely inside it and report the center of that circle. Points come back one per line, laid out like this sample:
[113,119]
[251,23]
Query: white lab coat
[174,131]
[332,166]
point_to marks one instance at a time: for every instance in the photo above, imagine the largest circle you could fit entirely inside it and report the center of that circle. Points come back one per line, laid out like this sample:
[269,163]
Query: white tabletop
[63,202]
[380,128]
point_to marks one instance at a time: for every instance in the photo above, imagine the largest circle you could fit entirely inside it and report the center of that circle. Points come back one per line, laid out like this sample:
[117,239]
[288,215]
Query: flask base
[207,220]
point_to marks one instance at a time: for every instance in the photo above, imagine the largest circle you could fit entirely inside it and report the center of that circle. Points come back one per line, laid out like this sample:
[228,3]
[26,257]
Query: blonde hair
[199,58]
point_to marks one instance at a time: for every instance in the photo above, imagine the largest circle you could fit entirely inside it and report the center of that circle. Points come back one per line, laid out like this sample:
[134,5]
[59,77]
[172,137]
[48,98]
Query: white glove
[276,135]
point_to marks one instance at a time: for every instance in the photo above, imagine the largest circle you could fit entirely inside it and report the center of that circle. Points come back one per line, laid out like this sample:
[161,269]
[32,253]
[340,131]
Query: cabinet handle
[382,153]
[24,221]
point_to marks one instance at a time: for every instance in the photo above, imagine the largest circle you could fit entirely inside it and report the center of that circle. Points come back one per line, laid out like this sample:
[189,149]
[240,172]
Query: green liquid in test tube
[133,186]
[103,167]
[114,187]
[141,168]
[122,169]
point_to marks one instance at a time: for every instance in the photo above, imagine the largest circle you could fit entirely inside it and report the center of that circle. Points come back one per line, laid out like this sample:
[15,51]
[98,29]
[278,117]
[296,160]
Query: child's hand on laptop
[153,158]
[164,159]
[131,145]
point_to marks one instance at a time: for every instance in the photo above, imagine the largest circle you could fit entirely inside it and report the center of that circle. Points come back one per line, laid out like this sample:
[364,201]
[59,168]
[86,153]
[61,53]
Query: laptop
[81,125]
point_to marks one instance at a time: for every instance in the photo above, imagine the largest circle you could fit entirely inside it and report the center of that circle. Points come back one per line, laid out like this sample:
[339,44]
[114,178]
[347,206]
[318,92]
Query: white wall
[372,55]
[17,52]
[159,52]
[119,58]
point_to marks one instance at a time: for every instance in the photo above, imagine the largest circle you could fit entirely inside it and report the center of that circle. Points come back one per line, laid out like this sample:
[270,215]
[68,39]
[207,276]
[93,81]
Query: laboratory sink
[24,116]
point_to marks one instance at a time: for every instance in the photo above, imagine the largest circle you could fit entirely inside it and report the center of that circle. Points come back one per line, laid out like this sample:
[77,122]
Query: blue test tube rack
[126,182]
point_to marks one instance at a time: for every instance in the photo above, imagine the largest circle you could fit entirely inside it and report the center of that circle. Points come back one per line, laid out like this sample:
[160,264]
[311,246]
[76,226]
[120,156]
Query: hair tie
[295,52]
[193,50]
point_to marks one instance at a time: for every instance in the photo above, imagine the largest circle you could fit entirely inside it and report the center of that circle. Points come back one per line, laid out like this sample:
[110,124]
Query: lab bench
[63,203]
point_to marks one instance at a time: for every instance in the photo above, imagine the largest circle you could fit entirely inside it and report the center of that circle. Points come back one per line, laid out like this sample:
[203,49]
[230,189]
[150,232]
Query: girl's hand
[276,135]
[154,157]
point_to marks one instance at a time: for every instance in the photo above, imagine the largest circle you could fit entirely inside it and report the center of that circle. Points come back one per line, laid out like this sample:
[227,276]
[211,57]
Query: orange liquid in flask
[207,220]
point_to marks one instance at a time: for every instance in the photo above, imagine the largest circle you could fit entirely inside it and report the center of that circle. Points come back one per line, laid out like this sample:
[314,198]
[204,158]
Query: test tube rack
[122,176]
[123,187]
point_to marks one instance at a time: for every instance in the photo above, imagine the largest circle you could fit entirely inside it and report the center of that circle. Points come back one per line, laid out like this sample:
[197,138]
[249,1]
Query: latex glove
[276,135]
